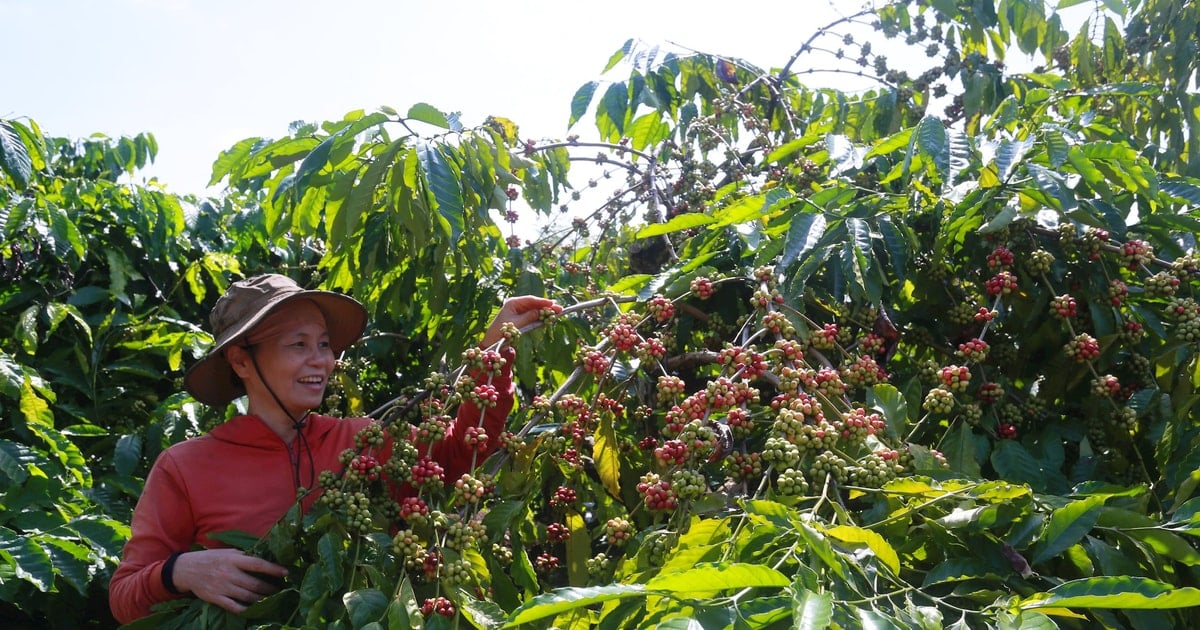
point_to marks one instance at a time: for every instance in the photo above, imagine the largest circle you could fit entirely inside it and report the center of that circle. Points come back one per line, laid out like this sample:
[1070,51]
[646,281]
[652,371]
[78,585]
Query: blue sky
[203,74]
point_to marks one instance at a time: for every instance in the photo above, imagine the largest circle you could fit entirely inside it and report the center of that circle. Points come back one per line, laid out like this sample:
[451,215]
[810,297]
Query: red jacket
[240,476]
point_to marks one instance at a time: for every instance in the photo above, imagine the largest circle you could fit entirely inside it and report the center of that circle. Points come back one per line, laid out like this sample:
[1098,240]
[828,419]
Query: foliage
[827,358]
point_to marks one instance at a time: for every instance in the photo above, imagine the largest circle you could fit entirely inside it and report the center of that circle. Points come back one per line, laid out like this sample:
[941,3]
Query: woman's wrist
[168,574]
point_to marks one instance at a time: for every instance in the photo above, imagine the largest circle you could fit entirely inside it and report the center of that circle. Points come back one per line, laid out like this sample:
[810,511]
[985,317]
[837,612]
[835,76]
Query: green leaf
[127,454]
[10,462]
[28,560]
[568,599]
[811,611]
[1010,155]
[803,235]
[581,101]
[751,208]
[27,331]
[1067,526]
[1114,592]
[890,402]
[716,577]
[365,605]
[426,113]
[443,180]
[612,111]
[1014,462]
[678,223]
[72,561]
[14,156]
[934,140]
[959,447]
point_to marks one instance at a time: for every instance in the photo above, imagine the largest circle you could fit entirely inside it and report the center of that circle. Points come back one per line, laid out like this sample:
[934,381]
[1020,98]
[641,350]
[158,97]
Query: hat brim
[211,381]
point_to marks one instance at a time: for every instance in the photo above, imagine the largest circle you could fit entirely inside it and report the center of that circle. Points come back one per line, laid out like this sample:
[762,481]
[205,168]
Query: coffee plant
[920,356]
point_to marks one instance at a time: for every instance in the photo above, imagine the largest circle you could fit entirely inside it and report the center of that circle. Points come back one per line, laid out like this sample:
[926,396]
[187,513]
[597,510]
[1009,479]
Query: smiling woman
[277,344]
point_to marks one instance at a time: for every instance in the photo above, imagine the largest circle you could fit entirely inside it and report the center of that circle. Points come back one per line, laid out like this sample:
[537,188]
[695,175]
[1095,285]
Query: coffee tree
[922,356]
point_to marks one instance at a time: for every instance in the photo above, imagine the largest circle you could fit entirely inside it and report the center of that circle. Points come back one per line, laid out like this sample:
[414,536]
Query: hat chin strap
[298,425]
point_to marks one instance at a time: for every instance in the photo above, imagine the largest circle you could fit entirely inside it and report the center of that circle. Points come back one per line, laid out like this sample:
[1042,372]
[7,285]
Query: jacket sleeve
[162,525]
[452,452]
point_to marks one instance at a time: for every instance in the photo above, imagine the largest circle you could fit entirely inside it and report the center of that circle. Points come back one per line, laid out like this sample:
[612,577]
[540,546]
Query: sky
[203,74]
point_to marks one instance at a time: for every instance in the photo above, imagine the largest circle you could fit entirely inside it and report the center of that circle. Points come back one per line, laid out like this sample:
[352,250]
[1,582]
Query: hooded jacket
[241,476]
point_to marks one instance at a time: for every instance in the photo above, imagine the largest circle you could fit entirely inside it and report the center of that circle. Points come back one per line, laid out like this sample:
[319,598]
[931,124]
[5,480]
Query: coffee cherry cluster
[485,396]
[563,497]
[670,388]
[623,335]
[778,324]
[414,510]
[826,464]
[990,393]
[408,545]
[433,428]
[476,438]
[1083,348]
[875,469]
[370,435]
[651,349]
[825,338]
[862,372]
[364,468]
[1001,259]
[557,532]
[702,287]
[469,490]
[1039,262]
[1135,253]
[427,474]
[828,382]
[1006,431]
[1118,291]
[660,308]
[1002,283]
[744,466]
[762,299]
[657,493]
[1106,386]
[671,453]
[791,482]
[688,484]
[955,377]
[1092,242]
[1063,307]
[438,605]
[598,566]
[938,400]
[780,453]
[856,425]
[974,350]
[1161,284]
[962,312]
[595,362]
[656,547]
[358,512]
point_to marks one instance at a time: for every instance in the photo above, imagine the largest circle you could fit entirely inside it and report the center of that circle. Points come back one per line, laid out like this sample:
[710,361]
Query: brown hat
[244,305]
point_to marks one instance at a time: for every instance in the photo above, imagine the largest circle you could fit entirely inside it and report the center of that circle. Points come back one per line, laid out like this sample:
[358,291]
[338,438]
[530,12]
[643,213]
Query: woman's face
[291,348]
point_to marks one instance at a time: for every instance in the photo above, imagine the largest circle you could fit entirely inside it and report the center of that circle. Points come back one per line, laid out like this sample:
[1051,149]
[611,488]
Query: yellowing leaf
[880,547]
[604,453]
[579,548]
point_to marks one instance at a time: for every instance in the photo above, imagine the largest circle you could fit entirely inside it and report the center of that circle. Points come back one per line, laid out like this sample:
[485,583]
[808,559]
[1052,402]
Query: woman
[277,344]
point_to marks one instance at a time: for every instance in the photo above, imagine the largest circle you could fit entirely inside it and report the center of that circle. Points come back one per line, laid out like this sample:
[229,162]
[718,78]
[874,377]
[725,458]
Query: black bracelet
[168,568]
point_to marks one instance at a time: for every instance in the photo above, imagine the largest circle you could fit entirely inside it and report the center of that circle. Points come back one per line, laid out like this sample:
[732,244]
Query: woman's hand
[226,577]
[519,311]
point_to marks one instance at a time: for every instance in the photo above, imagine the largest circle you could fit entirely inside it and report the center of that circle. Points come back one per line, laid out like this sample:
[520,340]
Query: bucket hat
[248,302]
